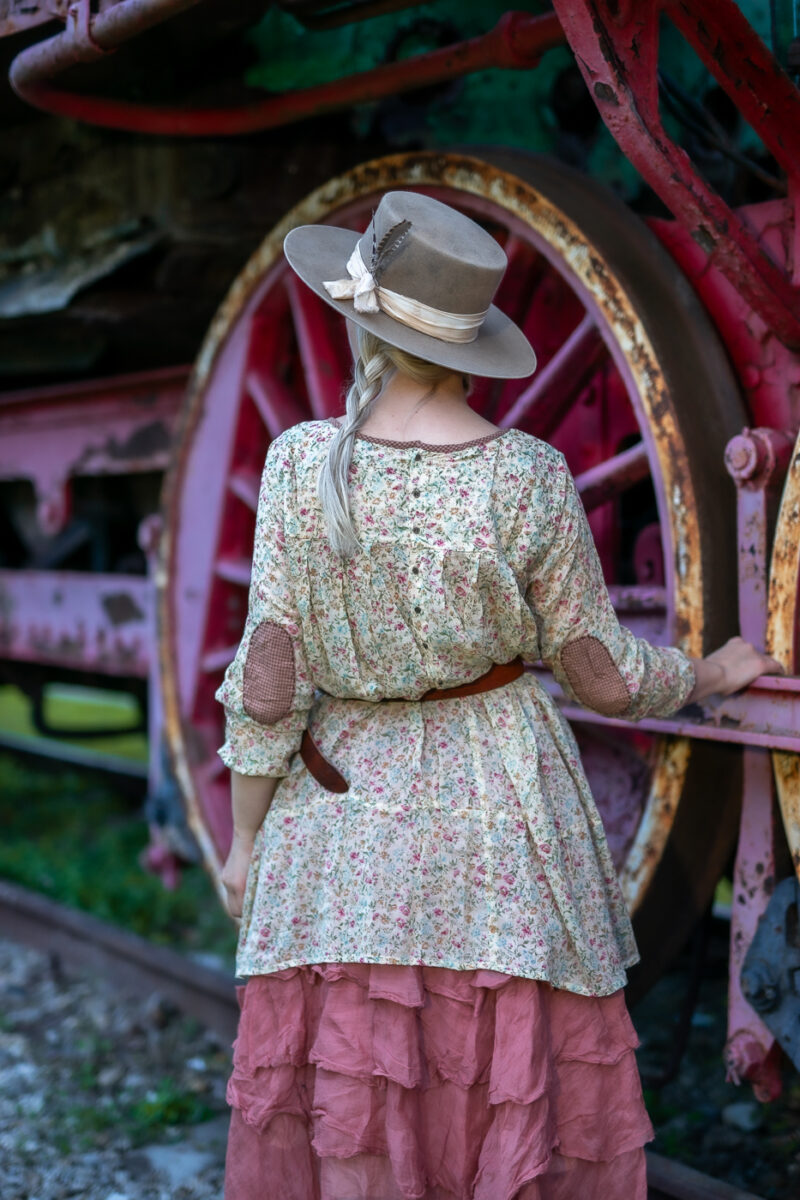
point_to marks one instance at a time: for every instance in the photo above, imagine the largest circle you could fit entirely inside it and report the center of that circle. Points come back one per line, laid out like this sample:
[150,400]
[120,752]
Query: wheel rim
[564,292]
[783,627]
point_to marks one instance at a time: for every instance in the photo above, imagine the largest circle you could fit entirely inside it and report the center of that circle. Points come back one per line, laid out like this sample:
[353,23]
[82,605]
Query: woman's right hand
[733,667]
[234,873]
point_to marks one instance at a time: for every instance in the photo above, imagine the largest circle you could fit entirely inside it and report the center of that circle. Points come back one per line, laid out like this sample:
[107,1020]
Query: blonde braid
[371,368]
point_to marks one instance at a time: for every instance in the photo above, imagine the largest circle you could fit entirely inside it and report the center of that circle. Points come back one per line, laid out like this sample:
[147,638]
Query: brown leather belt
[325,773]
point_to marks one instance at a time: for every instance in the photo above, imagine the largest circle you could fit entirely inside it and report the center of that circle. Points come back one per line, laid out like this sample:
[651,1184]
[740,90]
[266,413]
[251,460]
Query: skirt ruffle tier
[377,1082]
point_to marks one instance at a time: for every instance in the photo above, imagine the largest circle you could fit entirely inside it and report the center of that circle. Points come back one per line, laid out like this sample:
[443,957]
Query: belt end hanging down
[320,768]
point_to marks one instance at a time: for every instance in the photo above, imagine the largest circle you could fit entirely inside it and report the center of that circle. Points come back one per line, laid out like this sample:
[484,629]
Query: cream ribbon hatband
[369,297]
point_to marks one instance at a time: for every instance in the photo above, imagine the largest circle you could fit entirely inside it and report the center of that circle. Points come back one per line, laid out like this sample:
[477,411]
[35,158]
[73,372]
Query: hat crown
[445,260]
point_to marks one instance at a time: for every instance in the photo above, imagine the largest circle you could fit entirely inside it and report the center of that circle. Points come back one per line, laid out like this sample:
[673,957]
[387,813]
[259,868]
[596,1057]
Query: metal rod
[552,392]
[604,482]
[767,714]
[516,42]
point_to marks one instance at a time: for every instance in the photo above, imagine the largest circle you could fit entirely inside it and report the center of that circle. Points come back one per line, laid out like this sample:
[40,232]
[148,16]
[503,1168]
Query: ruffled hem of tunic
[359,1082]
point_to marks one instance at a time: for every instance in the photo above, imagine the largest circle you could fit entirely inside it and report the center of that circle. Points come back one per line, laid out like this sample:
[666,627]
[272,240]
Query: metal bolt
[760,989]
[741,456]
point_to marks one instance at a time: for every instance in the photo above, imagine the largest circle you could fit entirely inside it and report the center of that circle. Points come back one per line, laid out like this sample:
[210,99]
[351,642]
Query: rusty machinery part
[624,352]
[517,42]
[616,44]
[783,642]
[771,972]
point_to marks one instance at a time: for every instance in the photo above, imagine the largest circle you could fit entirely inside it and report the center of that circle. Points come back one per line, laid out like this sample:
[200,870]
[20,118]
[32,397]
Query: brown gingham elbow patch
[269,675]
[593,676]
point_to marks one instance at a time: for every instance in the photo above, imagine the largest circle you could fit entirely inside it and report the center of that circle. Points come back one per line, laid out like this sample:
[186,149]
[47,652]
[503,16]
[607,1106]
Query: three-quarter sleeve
[597,661]
[267,690]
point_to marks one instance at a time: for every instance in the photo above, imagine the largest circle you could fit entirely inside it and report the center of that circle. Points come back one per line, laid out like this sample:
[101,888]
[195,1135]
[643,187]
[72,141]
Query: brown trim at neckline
[441,446]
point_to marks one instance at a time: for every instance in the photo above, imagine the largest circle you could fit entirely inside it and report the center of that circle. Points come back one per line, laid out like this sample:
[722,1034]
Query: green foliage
[79,842]
[168,1105]
[143,1120]
[294,57]
[493,107]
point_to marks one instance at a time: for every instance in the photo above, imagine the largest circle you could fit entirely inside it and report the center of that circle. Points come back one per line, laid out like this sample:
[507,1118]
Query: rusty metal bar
[125,772]
[638,598]
[144,385]
[767,714]
[616,49]
[516,42]
[669,1180]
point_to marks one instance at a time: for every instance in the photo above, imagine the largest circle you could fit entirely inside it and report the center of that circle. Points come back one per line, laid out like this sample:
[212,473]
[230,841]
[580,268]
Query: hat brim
[500,351]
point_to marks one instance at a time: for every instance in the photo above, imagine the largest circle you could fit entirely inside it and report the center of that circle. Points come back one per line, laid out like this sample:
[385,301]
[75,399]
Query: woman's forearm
[251,796]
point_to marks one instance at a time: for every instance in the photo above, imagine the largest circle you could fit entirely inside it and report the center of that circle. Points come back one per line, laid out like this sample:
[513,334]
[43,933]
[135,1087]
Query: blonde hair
[376,361]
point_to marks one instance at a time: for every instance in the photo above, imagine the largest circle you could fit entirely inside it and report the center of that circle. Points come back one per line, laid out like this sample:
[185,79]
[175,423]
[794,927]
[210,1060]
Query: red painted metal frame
[118,426]
[757,461]
[82,621]
[615,43]
[769,372]
[517,41]
[767,715]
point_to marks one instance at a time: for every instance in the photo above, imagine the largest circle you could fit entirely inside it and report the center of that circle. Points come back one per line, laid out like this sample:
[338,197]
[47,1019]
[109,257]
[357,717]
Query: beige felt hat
[422,277]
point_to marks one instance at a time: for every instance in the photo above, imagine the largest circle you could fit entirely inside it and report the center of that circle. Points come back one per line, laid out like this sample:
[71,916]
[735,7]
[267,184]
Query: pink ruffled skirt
[373,1082]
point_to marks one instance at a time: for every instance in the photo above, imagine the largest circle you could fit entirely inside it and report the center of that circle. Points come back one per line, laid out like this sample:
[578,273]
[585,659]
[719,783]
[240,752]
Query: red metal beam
[767,714]
[116,426]
[517,41]
[615,43]
[83,621]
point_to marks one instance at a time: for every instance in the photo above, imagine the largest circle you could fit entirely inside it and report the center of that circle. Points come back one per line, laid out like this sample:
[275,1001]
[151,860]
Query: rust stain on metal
[657,820]
[121,608]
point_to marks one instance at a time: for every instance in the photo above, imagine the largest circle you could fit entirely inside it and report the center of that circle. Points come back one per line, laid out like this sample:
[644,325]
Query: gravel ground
[103,1097]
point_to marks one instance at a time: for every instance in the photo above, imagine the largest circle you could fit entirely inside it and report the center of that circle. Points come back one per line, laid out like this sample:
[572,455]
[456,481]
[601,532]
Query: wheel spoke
[273,401]
[214,769]
[637,599]
[235,570]
[214,661]
[245,485]
[321,359]
[521,279]
[553,391]
[602,483]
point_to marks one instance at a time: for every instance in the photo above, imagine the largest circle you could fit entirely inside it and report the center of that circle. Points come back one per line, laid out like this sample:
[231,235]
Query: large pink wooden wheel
[631,385]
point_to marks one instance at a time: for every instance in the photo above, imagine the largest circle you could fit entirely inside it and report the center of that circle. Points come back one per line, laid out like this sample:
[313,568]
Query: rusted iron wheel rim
[782,638]
[535,218]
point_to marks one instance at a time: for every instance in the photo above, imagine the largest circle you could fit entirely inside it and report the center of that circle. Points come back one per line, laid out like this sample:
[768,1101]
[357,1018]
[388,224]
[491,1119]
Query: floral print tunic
[468,837]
